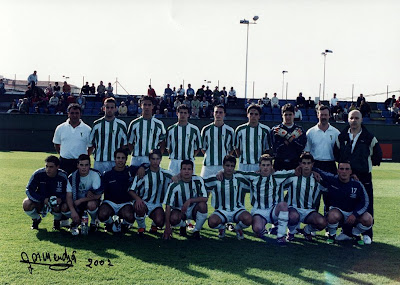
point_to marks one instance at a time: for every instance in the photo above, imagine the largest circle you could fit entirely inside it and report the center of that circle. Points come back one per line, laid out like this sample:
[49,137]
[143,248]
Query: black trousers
[327,166]
[68,165]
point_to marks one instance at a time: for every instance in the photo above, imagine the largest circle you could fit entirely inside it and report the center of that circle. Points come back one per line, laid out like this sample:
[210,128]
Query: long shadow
[334,262]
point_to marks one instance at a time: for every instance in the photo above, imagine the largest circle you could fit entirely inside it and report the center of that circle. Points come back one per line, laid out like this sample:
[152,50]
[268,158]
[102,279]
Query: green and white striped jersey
[152,186]
[228,194]
[252,142]
[106,137]
[217,143]
[182,141]
[303,192]
[145,135]
[178,193]
[266,191]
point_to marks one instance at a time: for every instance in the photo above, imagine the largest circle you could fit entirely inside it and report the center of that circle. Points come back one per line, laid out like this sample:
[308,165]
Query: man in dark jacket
[361,148]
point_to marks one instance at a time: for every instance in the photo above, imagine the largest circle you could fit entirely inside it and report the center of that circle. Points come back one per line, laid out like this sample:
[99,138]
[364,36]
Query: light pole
[247,22]
[324,54]
[283,83]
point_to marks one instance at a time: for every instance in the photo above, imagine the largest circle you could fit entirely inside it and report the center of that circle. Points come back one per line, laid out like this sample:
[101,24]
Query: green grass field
[208,261]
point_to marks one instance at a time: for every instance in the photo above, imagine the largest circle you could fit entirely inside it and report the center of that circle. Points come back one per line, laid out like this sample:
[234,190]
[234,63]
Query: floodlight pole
[283,83]
[324,54]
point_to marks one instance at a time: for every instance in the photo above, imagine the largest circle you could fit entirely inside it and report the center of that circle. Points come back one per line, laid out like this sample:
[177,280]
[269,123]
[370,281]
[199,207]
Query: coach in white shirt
[320,141]
[71,139]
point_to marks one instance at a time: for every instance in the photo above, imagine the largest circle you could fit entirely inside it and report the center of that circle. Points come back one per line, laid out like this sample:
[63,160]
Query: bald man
[357,145]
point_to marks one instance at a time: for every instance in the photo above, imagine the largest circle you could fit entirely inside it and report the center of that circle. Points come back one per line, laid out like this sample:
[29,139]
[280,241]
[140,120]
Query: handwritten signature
[54,261]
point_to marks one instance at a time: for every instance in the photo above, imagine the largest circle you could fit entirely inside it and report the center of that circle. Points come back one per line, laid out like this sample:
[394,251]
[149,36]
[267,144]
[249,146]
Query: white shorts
[210,170]
[175,166]
[303,213]
[103,166]
[138,160]
[344,213]
[116,207]
[229,216]
[267,214]
[189,211]
[249,167]
[150,207]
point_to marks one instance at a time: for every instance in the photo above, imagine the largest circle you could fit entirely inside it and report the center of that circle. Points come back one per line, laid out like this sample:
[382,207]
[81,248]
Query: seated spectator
[169,105]
[300,101]
[2,87]
[71,99]
[359,100]
[158,114]
[208,93]
[13,107]
[57,89]
[109,90]
[334,100]
[298,116]
[397,118]
[81,101]
[317,106]
[203,103]
[310,103]
[86,88]
[365,109]
[61,107]
[260,103]
[216,93]
[200,92]
[223,92]
[132,108]
[389,102]
[181,93]
[345,112]
[204,112]
[275,102]
[177,103]
[151,92]
[66,89]
[49,91]
[248,103]
[174,94]
[195,104]
[167,92]
[165,114]
[352,107]
[24,107]
[337,112]
[123,109]
[101,91]
[232,99]
[187,102]
[266,101]
[394,110]
[53,101]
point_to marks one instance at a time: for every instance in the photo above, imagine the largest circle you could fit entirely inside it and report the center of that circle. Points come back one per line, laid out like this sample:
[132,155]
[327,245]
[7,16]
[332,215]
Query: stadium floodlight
[324,53]
[247,22]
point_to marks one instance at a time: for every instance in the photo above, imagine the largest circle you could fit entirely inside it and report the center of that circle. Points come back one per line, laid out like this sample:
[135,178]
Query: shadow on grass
[299,259]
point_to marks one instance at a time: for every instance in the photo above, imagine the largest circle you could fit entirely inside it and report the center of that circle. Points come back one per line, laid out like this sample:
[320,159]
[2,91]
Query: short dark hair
[182,107]
[75,107]
[323,107]
[229,158]
[266,157]
[147,98]
[344,161]
[156,152]
[254,106]
[220,106]
[306,155]
[288,108]
[121,150]
[110,100]
[54,159]
[187,162]
[84,156]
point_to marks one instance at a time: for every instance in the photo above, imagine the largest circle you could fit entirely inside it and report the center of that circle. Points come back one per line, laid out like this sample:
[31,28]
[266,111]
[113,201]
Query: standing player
[186,199]
[303,200]
[117,201]
[108,134]
[71,139]
[148,193]
[183,140]
[252,140]
[217,139]
[83,193]
[267,199]
[228,199]
[46,192]
[145,133]
[288,141]
[320,141]
[349,203]
[357,145]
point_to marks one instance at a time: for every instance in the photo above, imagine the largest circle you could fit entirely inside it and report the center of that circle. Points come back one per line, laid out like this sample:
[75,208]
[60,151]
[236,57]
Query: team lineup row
[183,141]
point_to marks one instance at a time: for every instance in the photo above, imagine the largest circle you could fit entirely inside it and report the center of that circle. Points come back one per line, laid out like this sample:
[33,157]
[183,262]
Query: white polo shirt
[73,141]
[320,144]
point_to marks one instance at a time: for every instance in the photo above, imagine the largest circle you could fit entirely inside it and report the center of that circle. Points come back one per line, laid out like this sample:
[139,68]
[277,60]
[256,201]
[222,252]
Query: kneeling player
[83,193]
[303,200]
[117,200]
[149,192]
[186,199]
[228,199]
[46,192]
[267,199]
[349,203]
